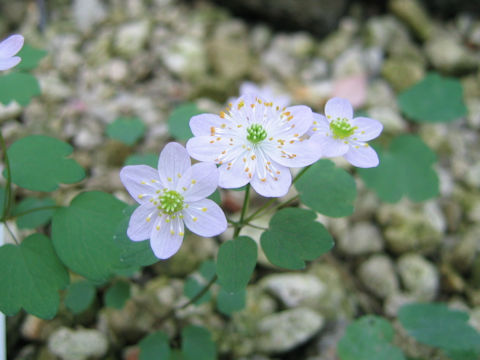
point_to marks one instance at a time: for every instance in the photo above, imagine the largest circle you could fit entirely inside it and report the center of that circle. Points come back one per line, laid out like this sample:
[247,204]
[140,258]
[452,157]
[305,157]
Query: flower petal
[296,154]
[234,175]
[9,63]
[329,146]
[172,164]
[338,108]
[11,45]
[138,227]
[200,181]
[205,218]
[269,187]
[141,181]
[201,125]
[362,155]
[166,238]
[206,148]
[298,121]
[368,129]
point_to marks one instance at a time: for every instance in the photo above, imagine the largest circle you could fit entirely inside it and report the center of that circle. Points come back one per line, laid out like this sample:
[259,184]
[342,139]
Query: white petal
[329,146]
[233,174]
[141,181]
[139,228]
[201,125]
[8,63]
[296,154]
[362,155]
[11,45]
[173,162]
[207,148]
[205,218]
[368,129]
[268,186]
[166,237]
[338,108]
[297,123]
[200,181]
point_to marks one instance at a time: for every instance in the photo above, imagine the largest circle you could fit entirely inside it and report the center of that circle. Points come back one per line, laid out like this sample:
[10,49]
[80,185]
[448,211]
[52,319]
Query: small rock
[419,276]
[391,120]
[402,73]
[10,111]
[361,238]
[412,13]
[283,331]
[87,13]
[131,38]
[294,289]
[378,275]
[80,344]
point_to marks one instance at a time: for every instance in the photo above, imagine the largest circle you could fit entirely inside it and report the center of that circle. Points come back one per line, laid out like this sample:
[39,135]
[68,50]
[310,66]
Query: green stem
[11,233]
[41,208]
[8,187]
[240,223]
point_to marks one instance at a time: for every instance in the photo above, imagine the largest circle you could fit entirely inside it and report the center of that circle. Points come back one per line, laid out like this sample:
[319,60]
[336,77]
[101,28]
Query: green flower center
[170,202]
[256,133]
[341,128]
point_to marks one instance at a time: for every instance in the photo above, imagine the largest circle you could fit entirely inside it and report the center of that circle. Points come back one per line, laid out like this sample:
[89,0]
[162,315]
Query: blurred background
[144,59]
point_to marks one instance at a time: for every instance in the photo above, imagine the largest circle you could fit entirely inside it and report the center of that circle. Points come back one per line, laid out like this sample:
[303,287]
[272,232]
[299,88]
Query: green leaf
[143,159]
[19,87]
[2,200]
[406,169]
[236,261]
[155,346]
[117,295]
[126,130]
[369,338]
[133,253]
[294,237]
[179,120]
[433,99]
[197,344]
[79,296]
[31,277]
[327,189]
[83,235]
[228,302]
[437,325]
[41,163]
[35,218]
[197,281]
[30,57]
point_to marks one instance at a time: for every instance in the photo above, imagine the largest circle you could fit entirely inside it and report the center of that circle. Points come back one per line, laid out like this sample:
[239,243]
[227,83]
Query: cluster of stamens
[170,202]
[256,133]
[341,128]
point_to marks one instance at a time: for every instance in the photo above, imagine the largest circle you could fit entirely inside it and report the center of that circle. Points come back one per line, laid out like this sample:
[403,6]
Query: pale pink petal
[205,218]
[368,129]
[141,181]
[207,148]
[267,186]
[296,154]
[298,121]
[11,45]
[362,155]
[234,175]
[8,63]
[338,108]
[173,162]
[329,146]
[139,228]
[166,237]
[201,125]
[198,182]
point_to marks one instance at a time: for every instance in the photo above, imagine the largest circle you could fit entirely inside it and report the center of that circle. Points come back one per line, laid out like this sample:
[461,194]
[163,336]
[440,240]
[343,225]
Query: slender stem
[239,225]
[3,337]
[8,187]
[11,233]
[40,208]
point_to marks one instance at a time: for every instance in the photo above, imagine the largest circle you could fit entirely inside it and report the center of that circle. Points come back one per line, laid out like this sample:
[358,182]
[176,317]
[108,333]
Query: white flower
[255,141]
[8,48]
[264,92]
[170,198]
[340,134]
